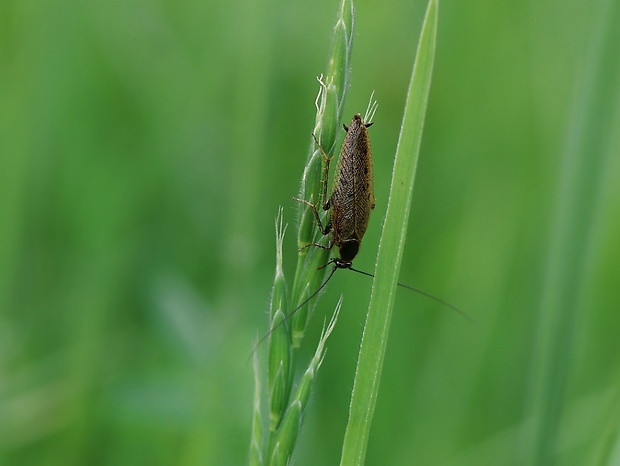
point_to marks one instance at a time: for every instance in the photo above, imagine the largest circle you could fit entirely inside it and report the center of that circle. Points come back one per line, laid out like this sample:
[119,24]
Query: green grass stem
[329,104]
[391,246]
[286,411]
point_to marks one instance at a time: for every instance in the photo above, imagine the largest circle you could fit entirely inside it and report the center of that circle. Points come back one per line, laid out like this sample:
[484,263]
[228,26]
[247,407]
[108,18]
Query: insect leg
[328,247]
[328,227]
[324,231]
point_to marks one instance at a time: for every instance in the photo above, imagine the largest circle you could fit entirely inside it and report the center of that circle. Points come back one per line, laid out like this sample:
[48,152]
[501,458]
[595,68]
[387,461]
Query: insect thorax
[348,249]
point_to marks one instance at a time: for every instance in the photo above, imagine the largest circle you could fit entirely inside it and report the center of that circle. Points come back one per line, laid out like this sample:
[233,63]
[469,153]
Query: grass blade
[586,159]
[374,339]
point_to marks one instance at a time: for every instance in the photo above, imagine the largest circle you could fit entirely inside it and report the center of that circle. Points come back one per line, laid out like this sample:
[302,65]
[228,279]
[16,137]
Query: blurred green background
[145,149]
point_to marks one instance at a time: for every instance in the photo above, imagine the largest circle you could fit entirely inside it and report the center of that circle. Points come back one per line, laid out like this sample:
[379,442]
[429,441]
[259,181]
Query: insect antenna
[423,293]
[290,314]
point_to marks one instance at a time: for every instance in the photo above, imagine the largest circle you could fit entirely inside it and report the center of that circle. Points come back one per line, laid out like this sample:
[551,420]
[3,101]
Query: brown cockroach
[351,201]
[352,198]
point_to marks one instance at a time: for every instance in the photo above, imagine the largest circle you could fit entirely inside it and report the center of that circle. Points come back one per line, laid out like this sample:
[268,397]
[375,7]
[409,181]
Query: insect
[352,198]
[351,201]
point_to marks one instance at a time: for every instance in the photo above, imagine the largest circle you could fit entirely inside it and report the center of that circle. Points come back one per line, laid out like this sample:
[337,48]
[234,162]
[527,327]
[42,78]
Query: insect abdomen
[352,197]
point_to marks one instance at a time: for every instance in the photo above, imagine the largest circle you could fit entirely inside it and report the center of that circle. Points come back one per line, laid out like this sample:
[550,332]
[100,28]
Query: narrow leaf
[374,339]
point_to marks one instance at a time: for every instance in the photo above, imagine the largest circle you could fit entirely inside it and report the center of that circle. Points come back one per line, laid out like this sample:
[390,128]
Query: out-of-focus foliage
[144,150]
